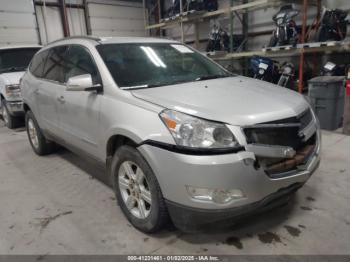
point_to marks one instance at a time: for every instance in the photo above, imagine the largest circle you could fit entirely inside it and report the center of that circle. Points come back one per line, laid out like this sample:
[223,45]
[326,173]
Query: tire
[148,216]
[40,145]
[10,121]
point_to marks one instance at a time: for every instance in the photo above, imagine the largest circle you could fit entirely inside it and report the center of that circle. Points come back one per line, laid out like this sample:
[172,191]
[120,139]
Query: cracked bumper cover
[193,219]
[175,171]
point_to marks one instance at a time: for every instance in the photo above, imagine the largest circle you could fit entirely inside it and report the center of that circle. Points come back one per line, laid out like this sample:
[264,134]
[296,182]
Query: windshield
[17,59]
[145,65]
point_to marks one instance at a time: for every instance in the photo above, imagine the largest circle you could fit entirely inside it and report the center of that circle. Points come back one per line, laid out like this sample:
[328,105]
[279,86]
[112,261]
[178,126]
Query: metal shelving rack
[244,8]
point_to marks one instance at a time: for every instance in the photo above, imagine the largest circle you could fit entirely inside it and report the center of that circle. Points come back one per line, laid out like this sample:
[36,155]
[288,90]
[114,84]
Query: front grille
[285,132]
[305,119]
[278,136]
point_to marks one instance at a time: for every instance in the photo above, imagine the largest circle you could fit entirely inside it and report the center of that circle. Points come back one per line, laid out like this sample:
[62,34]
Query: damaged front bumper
[241,172]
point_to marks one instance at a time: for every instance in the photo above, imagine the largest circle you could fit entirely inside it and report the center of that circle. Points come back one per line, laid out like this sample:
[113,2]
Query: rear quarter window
[37,65]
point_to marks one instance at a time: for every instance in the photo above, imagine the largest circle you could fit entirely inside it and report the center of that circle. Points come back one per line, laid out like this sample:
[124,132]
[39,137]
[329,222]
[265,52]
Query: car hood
[12,78]
[233,100]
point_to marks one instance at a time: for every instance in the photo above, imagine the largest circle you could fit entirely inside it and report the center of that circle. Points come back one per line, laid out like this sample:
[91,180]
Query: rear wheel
[39,143]
[137,190]
[10,121]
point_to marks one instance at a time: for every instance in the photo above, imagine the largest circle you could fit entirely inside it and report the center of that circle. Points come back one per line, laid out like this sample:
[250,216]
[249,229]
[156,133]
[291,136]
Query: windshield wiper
[12,69]
[141,86]
[208,77]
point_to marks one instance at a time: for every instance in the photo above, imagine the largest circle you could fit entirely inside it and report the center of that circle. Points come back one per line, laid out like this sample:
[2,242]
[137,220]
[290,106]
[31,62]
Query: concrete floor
[55,205]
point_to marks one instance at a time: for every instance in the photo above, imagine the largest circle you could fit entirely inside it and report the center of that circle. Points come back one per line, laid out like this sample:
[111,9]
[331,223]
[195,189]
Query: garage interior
[62,204]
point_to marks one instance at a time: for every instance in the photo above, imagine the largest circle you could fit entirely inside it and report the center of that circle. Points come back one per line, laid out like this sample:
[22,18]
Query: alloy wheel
[33,134]
[134,189]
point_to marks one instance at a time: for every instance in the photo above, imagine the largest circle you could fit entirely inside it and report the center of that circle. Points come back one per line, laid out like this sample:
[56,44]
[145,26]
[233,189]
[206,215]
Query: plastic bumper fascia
[15,107]
[175,171]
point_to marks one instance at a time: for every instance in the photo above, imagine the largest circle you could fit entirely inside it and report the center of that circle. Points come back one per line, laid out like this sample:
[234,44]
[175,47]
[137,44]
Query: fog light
[220,196]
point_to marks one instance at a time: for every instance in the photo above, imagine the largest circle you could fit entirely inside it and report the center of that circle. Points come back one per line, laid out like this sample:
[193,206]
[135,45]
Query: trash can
[327,94]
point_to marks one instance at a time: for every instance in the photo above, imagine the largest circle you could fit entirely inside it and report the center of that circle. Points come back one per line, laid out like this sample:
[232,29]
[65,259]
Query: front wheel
[137,190]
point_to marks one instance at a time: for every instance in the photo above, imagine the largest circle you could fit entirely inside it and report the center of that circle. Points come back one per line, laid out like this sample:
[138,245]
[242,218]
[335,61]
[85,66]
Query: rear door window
[55,64]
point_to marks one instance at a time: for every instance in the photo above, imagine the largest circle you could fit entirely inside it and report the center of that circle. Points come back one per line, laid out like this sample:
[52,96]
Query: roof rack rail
[89,37]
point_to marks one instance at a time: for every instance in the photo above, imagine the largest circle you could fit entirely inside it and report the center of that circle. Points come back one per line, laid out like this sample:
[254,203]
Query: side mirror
[82,83]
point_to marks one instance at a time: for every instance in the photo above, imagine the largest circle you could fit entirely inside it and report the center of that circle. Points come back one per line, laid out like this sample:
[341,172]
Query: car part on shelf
[264,68]
[334,25]
[332,69]
[286,32]
[190,5]
[218,39]
[287,72]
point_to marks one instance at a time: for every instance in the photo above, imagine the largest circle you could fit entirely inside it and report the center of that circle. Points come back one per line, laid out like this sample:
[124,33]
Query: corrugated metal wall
[116,18]
[17,22]
[50,21]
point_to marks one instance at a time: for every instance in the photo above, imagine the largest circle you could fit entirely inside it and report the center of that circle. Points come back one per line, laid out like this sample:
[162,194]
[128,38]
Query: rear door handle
[36,91]
[61,99]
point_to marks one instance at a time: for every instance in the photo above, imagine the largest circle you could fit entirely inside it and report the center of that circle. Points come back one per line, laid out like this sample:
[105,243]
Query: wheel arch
[116,141]
[26,108]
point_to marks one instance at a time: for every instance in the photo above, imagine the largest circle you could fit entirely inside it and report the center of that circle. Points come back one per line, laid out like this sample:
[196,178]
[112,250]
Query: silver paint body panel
[88,120]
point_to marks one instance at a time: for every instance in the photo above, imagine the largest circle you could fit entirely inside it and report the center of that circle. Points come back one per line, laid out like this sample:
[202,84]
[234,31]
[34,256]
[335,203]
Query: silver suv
[181,137]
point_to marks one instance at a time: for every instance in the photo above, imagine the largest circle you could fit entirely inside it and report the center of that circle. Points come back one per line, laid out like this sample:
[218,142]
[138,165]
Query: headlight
[13,90]
[194,132]
[280,21]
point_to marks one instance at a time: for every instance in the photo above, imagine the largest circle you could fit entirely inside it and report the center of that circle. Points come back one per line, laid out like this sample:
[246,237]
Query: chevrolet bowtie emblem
[289,152]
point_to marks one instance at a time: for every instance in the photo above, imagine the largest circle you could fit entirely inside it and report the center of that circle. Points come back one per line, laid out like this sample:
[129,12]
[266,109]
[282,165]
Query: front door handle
[61,99]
